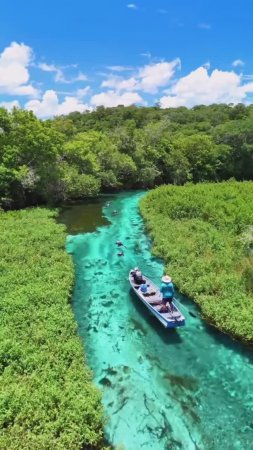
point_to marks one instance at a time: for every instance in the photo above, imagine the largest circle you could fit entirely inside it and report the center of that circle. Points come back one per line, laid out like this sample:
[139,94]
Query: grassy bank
[47,400]
[204,233]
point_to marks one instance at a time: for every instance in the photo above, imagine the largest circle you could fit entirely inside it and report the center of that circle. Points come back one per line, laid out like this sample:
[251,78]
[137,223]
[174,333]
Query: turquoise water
[190,388]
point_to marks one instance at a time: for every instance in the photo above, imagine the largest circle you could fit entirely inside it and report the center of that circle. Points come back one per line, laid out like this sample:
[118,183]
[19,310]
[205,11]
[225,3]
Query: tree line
[110,149]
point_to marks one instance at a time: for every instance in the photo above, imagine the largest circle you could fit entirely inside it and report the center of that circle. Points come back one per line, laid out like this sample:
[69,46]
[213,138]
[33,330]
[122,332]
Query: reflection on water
[83,217]
[190,388]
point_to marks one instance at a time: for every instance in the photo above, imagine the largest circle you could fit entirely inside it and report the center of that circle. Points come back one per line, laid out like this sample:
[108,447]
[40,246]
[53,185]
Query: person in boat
[138,279]
[133,271]
[167,290]
[144,287]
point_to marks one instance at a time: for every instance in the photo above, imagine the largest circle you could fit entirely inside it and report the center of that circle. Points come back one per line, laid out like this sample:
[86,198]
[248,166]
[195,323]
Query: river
[190,388]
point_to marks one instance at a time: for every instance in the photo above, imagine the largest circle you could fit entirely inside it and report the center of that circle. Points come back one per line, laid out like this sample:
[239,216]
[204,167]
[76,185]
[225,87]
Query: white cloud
[149,78]
[154,76]
[79,77]
[237,63]
[119,68]
[59,75]
[14,74]
[120,84]
[131,6]
[18,53]
[51,68]
[10,105]
[50,105]
[205,26]
[112,98]
[83,92]
[27,90]
[201,88]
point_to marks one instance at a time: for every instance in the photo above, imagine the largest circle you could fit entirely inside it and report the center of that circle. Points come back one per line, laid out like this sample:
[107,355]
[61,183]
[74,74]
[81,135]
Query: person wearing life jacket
[167,290]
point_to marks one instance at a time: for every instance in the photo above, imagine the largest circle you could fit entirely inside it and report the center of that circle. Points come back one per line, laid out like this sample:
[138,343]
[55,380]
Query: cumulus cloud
[154,76]
[59,75]
[201,88]
[148,78]
[51,106]
[14,74]
[112,98]
[120,84]
[237,63]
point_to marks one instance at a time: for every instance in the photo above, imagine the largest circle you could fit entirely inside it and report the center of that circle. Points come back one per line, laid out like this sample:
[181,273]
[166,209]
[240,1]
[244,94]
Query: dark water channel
[162,389]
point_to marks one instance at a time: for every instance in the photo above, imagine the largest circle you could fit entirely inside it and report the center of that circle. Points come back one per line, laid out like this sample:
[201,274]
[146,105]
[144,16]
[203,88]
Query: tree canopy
[83,154]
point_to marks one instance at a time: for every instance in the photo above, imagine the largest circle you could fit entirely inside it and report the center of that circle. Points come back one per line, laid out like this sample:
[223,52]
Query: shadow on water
[228,342]
[170,337]
[218,336]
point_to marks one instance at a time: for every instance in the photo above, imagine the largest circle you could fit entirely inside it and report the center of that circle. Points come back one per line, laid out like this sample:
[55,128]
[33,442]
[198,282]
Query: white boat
[153,301]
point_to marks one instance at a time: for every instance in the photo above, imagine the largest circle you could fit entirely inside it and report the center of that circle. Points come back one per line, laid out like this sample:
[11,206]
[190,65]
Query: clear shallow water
[190,388]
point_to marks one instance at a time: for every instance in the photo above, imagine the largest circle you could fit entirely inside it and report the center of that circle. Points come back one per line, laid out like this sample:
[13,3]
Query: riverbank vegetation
[47,400]
[204,232]
[83,154]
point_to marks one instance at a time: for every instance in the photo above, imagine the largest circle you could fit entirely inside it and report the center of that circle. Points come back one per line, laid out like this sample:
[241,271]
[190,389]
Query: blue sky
[59,56]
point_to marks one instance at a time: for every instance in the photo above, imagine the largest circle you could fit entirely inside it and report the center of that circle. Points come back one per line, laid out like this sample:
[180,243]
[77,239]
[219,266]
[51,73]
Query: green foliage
[79,185]
[29,149]
[47,400]
[124,147]
[204,233]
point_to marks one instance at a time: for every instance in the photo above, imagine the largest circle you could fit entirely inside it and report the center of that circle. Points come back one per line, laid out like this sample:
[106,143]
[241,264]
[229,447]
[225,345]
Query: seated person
[144,287]
[133,271]
[138,277]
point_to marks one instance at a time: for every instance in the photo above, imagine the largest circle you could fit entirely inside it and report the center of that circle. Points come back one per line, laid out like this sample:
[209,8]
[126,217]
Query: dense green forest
[47,400]
[109,149]
[204,232]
